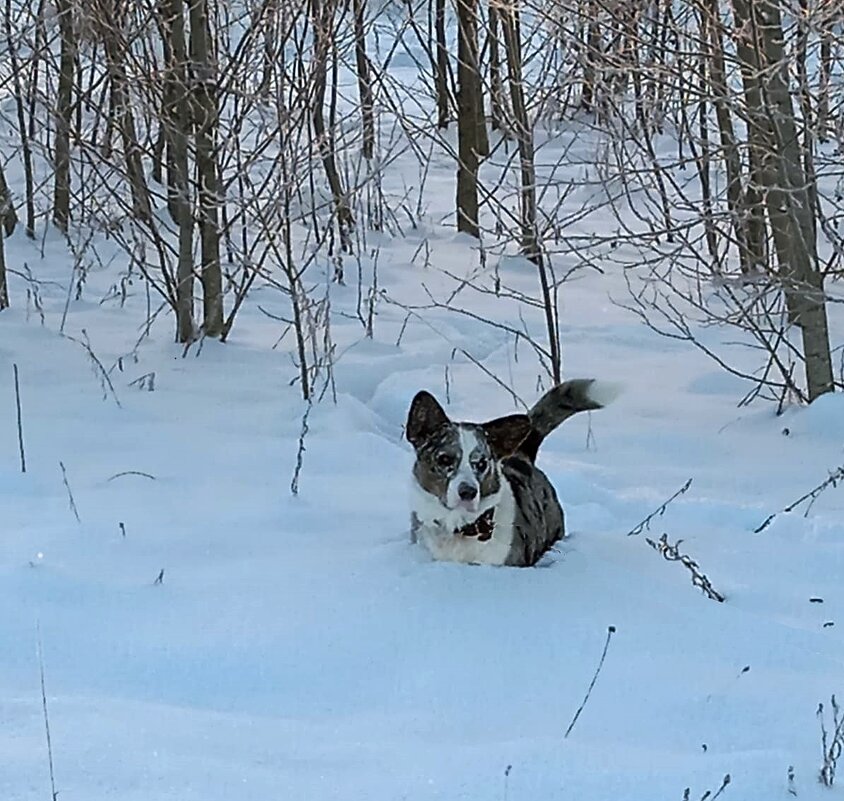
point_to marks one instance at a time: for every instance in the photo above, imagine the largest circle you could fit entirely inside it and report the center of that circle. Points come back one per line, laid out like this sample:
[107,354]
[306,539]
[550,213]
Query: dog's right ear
[424,418]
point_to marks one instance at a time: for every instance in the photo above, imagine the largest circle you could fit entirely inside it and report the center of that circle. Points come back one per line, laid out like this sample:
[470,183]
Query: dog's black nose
[467,492]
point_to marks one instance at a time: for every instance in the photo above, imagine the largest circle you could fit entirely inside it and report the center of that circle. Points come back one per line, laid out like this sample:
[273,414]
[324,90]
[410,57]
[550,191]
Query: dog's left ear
[424,418]
[505,434]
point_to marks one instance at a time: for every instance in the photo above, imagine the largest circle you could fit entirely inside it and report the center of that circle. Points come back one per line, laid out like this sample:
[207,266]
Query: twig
[132,473]
[671,553]
[300,453]
[659,512]
[20,419]
[610,632]
[46,715]
[105,379]
[69,493]
[723,786]
[832,481]
[832,746]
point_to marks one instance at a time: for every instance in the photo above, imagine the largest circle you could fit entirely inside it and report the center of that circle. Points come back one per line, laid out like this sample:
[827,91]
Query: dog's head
[458,462]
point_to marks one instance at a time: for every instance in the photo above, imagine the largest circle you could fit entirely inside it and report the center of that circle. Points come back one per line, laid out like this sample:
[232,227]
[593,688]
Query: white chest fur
[437,525]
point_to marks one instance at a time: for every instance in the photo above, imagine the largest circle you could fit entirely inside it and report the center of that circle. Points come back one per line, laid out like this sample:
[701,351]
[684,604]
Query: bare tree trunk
[499,111]
[524,134]
[177,123]
[4,288]
[26,147]
[441,77]
[205,116]
[323,12]
[364,81]
[591,73]
[110,31]
[467,118]
[826,74]
[475,52]
[64,108]
[531,245]
[790,209]
[732,158]
[753,212]
[8,215]
[8,221]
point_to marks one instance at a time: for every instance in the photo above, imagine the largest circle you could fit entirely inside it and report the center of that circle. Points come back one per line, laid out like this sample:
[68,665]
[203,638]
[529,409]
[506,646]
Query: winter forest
[238,236]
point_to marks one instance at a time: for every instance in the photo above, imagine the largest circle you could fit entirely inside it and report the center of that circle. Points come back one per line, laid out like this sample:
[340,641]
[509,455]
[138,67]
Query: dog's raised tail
[560,403]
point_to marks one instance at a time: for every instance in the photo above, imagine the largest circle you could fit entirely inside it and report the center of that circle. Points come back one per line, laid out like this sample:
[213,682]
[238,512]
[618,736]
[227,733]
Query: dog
[477,495]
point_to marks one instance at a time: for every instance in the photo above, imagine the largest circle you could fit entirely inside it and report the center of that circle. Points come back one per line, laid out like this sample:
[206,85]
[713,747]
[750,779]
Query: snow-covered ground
[301,647]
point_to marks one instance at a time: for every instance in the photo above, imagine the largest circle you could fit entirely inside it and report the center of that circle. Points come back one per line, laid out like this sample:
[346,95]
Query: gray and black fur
[503,450]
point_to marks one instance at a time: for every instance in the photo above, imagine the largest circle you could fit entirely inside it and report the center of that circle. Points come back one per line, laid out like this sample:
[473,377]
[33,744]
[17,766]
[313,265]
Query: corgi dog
[477,495]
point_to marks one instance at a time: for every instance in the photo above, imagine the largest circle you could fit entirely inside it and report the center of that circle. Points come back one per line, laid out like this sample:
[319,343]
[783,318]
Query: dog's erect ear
[425,416]
[505,434]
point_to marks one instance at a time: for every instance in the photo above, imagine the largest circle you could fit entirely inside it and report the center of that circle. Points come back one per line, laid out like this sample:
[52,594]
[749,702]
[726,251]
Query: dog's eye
[445,460]
[481,465]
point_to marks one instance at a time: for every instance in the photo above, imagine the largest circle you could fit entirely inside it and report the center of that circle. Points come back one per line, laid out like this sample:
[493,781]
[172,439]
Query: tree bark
[531,245]
[64,109]
[499,110]
[364,80]
[8,221]
[787,197]
[591,73]
[8,215]
[114,46]
[729,146]
[323,12]
[441,77]
[467,118]
[177,125]
[205,117]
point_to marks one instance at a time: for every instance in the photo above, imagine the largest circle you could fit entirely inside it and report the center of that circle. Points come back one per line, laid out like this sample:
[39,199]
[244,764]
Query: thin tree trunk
[826,75]
[26,147]
[323,12]
[205,116]
[467,119]
[729,146]
[499,110]
[64,108]
[589,95]
[757,139]
[177,123]
[524,134]
[531,245]
[114,47]
[441,77]
[8,215]
[8,221]
[789,203]
[4,288]
[475,52]
[364,80]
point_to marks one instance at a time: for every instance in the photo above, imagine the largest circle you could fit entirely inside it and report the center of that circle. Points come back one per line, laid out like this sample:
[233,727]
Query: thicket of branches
[692,144]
